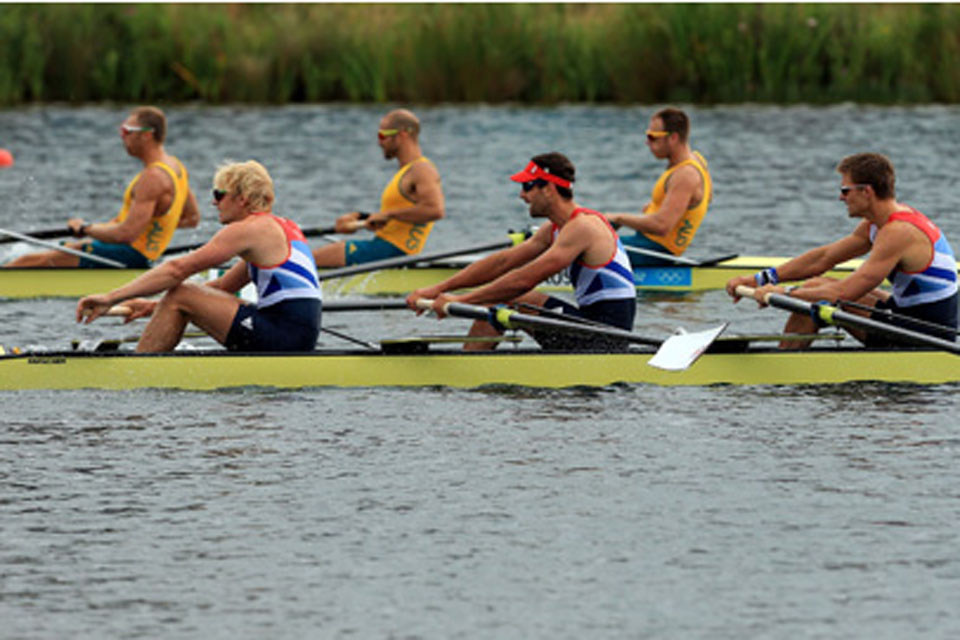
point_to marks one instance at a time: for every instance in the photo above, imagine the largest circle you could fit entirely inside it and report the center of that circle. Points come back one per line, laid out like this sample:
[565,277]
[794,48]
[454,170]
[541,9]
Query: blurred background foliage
[529,53]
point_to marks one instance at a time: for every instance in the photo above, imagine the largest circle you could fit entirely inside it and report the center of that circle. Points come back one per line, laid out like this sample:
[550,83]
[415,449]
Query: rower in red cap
[578,239]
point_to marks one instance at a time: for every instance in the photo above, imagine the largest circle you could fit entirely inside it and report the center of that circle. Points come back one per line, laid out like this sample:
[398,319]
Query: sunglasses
[219,194]
[383,134]
[528,186]
[656,135]
[127,129]
[859,187]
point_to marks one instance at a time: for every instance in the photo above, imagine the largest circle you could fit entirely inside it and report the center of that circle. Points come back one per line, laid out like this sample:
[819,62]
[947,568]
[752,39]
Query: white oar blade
[682,349]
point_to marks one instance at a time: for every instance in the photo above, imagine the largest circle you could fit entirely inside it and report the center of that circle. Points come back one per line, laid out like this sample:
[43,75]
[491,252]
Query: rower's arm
[224,245]
[149,190]
[570,244]
[680,196]
[489,268]
[892,243]
[190,216]
[234,279]
[422,181]
[817,261]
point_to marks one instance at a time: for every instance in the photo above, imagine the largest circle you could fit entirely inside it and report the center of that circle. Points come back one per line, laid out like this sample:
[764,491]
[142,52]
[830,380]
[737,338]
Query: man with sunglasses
[157,201]
[577,239]
[904,246]
[680,196]
[409,206]
[273,255]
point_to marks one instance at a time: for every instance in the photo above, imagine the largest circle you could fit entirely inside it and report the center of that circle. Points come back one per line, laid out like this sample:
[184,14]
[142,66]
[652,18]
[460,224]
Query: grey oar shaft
[660,254]
[52,245]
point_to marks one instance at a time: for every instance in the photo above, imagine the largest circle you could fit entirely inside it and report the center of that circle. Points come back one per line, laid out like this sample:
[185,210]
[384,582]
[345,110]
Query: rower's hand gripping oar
[826,313]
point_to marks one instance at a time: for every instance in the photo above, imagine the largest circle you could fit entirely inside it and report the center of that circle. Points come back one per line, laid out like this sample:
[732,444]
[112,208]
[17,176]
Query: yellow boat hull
[219,369]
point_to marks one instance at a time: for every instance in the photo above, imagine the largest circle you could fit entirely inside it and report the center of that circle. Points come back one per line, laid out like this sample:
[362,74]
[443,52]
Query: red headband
[535,172]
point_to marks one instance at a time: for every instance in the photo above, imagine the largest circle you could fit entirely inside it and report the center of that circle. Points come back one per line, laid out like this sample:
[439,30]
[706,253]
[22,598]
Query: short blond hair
[249,179]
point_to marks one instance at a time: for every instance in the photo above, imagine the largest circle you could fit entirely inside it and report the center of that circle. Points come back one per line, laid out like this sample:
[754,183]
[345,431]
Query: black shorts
[291,325]
[616,313]
[942,312]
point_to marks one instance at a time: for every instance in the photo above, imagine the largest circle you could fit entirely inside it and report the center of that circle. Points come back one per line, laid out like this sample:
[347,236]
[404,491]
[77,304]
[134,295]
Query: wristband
[83,229]
[767,276]
[362,215]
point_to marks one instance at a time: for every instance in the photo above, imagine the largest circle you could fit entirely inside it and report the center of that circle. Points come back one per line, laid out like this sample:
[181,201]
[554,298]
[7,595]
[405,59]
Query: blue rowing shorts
[291,325]
[618,314]
[124,253]
[364,251]
[942,312]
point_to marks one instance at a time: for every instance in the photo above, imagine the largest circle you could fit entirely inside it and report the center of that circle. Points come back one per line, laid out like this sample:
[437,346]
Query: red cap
[536,172]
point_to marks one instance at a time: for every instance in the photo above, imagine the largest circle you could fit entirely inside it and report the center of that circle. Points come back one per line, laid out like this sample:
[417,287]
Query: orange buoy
[6,159]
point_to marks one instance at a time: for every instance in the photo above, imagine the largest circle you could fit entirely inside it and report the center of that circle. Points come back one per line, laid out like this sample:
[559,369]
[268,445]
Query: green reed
[537,53]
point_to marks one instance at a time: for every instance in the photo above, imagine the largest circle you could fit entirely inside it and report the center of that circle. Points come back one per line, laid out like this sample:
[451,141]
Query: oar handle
[426,304]
[744,291]
[121,310]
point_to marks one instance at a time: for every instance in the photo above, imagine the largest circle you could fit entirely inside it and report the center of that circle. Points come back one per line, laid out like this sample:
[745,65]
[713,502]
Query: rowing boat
[217,369]
[74,283]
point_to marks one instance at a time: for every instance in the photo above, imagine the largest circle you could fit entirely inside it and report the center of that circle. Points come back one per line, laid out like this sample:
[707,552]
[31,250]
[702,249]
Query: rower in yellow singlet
[156,202]
[409,206]
[680,196]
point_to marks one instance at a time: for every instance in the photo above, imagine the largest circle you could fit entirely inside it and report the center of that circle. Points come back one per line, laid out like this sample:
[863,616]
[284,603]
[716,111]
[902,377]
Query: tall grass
[540,53]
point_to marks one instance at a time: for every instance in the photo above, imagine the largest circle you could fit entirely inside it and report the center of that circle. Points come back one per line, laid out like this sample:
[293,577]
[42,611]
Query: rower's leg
[45,259]
[484,329]
[210,309]
[331,255]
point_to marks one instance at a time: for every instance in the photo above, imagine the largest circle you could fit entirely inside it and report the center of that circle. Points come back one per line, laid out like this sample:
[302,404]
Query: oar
[385,304]
[46,234]
[310,232]
[403,261]
[512,319]
[833,315]
[680,259]
[676,353]
[51,245]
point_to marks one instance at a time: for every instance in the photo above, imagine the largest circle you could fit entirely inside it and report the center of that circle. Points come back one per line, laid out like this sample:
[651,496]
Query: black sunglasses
[219,194]
[527,186]
[859,187]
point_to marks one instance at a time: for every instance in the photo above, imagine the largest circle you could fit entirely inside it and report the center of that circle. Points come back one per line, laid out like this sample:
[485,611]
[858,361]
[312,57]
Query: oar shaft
[393,263]
[660,254]
[514,319]
[52,245]
[46,234]
[833,315]
[308,232]
[679,259]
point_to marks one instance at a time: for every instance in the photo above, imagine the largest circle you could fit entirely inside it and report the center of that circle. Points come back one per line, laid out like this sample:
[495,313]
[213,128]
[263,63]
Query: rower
[157,201]
[409,206]
[274,255]
[680,196]
[578,239]
[904,246]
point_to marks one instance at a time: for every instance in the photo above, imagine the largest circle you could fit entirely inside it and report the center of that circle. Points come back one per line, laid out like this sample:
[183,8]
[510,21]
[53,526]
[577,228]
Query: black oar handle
[46,234]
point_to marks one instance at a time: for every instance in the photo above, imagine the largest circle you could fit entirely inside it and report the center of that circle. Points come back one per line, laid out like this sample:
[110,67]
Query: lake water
[628,511]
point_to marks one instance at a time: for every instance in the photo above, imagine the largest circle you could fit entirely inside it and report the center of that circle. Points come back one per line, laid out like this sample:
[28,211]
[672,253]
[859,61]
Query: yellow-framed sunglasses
[656,135]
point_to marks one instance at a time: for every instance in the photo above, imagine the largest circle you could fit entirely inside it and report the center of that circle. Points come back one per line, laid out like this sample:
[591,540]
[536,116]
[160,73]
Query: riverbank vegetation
[534,53]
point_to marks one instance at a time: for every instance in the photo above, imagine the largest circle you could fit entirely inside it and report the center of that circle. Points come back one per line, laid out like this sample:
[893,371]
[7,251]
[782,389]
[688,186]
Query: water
[629,511]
